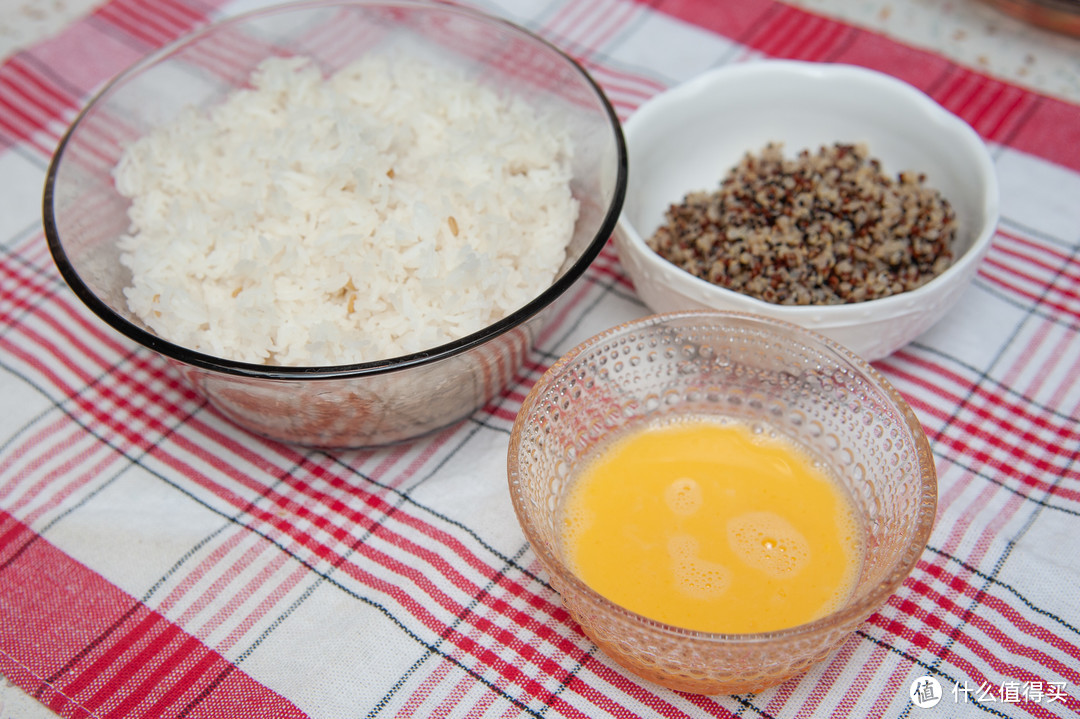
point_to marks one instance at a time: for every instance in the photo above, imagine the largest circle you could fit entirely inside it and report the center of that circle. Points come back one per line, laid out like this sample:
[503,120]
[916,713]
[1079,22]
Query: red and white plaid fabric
[155,561]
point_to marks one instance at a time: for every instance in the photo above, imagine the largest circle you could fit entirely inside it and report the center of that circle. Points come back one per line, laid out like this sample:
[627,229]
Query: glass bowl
[372,403]
[757,370]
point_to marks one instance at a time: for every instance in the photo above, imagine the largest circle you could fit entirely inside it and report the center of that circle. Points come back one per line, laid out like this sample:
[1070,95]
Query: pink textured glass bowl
[769,374]
[358,405]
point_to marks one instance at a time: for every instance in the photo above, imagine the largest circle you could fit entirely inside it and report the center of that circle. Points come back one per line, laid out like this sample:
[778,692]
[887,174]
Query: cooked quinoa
[825,228]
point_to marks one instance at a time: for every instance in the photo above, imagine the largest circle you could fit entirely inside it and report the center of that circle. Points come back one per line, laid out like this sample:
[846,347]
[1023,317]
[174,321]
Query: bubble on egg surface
[768,542]
[683,496]
[695,576]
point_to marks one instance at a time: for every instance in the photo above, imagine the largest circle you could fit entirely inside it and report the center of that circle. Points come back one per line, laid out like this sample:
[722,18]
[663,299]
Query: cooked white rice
[387,209]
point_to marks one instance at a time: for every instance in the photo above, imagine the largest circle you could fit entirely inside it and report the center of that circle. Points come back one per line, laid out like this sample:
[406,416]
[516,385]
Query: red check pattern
[155,561]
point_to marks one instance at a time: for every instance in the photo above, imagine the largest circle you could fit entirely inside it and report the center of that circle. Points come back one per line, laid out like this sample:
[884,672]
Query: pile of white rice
[387,209]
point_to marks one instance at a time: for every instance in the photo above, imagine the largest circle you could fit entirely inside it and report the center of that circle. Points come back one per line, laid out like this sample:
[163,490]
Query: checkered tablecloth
[156,561]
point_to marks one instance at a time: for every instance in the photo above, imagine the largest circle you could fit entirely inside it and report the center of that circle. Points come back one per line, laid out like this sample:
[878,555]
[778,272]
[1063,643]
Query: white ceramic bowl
[687,139]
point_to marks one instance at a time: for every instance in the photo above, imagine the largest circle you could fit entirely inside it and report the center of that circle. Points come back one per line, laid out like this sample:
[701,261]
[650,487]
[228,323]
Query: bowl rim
[427,356]
[680,95]
[854,612]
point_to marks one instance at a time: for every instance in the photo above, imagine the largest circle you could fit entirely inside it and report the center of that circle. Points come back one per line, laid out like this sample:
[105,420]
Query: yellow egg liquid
[705,525]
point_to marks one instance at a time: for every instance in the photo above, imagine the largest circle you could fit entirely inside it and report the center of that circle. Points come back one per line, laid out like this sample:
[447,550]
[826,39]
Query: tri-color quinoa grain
[825,228]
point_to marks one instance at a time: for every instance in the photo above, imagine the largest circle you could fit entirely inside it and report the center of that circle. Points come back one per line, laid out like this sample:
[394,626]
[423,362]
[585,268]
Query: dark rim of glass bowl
[283,372]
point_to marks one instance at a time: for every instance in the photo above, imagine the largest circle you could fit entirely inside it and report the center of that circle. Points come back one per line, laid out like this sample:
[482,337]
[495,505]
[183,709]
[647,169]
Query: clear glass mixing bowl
[374,403]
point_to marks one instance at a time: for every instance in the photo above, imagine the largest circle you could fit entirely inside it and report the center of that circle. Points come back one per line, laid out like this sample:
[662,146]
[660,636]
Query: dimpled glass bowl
[769,374]
[378,402]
